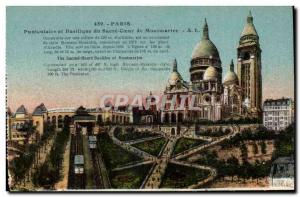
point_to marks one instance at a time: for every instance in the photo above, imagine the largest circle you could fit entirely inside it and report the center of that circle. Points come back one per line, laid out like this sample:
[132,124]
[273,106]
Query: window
[246,55]
[245,80]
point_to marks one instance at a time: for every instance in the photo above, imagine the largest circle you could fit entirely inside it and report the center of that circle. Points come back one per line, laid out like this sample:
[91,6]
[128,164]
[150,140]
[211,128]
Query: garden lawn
[152,147]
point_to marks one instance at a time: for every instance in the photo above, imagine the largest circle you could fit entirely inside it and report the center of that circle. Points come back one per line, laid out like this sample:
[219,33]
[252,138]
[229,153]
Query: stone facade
[239,95]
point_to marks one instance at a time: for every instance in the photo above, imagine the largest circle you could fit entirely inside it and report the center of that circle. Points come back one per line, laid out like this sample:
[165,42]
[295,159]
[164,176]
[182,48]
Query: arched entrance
[166,120]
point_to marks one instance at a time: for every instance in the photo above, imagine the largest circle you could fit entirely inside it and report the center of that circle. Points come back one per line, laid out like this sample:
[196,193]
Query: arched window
[246,55]
[173,117]
[166,119]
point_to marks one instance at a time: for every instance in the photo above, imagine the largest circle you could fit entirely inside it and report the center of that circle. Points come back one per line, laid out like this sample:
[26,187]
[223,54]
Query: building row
[23,127]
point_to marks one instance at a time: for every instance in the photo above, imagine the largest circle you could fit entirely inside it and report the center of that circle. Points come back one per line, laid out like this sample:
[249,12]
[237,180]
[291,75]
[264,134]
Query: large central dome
[205,48]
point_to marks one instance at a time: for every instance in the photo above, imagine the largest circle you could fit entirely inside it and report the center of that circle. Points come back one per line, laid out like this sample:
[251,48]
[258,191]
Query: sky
[28,83]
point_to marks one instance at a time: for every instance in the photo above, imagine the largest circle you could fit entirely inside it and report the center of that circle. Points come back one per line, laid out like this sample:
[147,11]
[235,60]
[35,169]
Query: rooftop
[282,101]
[21,110]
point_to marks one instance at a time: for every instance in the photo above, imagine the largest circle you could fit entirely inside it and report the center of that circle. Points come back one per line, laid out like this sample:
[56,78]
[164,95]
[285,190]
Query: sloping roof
[39,110]
[43,107]
[21,110]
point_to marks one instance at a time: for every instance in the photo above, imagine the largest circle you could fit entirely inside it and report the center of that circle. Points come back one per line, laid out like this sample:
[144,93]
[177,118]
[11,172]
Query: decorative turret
[175,76]
[249,32]
[231,77]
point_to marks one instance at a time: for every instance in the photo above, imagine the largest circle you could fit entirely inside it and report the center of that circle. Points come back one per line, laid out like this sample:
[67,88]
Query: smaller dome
[174,77]
[231,78]
[210,73]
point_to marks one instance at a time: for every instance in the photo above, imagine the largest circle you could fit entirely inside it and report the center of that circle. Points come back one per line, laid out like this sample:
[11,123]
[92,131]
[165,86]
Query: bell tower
[249,67]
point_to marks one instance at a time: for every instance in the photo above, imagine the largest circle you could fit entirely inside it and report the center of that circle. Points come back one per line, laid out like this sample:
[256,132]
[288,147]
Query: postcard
[150,99]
